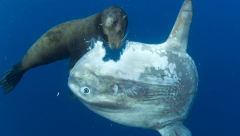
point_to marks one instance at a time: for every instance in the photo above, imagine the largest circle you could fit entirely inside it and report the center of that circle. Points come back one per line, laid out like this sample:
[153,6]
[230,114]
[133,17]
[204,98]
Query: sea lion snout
[114,39]
[112,46]
[115,45]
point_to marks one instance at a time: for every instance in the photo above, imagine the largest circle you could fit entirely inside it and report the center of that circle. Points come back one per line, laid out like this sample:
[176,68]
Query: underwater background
[34,109]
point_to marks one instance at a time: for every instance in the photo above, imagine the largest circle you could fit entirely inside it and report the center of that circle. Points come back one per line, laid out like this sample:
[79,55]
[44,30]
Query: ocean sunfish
[152,86]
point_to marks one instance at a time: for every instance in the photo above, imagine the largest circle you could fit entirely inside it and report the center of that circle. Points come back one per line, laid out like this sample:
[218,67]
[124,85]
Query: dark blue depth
[34,109]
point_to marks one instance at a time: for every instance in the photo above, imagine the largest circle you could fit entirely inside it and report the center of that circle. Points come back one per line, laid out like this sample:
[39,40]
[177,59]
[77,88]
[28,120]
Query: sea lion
[68,40]
[152,86]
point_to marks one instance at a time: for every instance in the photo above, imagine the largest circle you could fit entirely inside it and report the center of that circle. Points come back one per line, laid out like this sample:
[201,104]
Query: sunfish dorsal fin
[178,37]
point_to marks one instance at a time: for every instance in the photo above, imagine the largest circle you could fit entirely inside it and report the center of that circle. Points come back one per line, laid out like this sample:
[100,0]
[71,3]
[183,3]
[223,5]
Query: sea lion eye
[85,90]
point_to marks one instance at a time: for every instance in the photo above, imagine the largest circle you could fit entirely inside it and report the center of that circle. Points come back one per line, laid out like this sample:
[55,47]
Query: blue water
[33,108]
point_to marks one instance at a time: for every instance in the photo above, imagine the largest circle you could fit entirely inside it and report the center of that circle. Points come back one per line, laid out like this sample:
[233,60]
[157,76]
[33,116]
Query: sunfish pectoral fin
[178,37]
[133,90]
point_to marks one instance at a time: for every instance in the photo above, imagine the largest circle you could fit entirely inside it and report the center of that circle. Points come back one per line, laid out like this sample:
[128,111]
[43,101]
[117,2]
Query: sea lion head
[114,24]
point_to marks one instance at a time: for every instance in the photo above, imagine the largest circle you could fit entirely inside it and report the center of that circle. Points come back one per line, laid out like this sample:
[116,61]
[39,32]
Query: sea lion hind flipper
[5,72]
[11,79]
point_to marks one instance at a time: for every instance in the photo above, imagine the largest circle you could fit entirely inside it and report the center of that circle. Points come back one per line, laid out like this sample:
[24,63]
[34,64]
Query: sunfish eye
[85,90]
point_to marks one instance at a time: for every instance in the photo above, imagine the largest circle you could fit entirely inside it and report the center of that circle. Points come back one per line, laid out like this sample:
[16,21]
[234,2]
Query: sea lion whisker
[123,44]
[125,36]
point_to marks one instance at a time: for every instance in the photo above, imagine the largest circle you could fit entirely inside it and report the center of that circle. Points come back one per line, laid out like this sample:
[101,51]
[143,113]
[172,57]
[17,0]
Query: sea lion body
[66,40]
[69,40]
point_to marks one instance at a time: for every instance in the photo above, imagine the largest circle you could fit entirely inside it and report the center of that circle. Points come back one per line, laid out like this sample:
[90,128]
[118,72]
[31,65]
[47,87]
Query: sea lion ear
[124,16]
[178,37]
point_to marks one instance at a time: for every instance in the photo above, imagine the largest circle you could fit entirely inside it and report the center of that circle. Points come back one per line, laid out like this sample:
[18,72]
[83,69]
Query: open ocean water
[34,109]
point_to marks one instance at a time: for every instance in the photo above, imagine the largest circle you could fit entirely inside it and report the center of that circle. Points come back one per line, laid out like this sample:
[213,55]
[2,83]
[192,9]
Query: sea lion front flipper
[11,79]
[177,129]
[133,91]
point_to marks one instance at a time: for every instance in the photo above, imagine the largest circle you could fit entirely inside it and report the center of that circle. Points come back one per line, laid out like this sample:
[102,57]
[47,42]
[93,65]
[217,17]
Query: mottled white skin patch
[166,70]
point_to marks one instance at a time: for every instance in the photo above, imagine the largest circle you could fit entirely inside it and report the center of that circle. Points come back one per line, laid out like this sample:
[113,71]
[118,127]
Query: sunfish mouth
[102,104]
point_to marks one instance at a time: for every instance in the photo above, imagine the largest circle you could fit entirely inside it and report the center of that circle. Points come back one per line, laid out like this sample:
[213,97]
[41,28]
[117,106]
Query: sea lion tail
[11,79]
